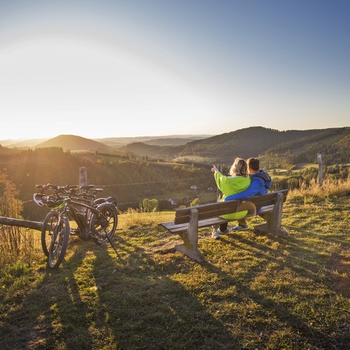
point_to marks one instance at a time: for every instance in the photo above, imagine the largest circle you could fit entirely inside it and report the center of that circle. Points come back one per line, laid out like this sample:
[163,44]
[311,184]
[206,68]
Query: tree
[12,243]
[150,204]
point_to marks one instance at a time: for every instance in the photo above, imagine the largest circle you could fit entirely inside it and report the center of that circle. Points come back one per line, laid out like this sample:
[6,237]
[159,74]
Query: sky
[112,68]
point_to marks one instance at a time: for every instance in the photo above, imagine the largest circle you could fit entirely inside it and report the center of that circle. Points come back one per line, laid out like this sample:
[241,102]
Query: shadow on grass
[145,309]
[133,299]
[305,262]
[53,315]
[97,300]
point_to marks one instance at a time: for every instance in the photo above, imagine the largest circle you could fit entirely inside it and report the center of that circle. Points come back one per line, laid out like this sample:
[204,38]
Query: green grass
[252,292]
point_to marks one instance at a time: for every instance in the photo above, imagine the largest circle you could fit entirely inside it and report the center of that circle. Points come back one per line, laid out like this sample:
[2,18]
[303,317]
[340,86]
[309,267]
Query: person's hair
[253,163]
[239,167]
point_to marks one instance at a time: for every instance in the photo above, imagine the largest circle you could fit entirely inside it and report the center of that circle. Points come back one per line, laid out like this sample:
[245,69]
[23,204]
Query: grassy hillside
[292,146]
[73,143]
[252,292]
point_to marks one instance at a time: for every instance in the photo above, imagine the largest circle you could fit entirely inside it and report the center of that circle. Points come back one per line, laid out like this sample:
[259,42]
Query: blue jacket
[261,183]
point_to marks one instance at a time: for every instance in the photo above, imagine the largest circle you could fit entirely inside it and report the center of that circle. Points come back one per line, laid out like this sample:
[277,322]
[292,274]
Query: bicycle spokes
[59,243]
[104,223]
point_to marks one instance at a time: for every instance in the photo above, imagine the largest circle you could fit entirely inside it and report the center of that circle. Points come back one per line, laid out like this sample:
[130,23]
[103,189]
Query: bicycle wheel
[49,224]
[104,223]
[59,242]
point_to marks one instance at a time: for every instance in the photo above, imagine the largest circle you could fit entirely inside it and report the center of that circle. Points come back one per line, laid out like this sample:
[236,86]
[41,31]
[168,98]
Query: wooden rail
[35,225]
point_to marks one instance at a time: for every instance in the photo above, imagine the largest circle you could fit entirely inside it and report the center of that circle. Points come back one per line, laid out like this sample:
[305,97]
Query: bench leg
[190,238]
[273,220]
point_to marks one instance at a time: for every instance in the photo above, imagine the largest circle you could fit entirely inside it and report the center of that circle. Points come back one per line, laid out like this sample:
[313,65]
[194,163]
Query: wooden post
[273,219]
[83,176]
[320,175]
[190,238]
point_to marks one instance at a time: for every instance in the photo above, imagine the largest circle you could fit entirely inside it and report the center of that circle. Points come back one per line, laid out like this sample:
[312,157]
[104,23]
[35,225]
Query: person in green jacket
[238,181]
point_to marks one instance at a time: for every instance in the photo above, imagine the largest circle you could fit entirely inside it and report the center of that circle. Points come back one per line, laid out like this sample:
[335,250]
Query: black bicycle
[96,218]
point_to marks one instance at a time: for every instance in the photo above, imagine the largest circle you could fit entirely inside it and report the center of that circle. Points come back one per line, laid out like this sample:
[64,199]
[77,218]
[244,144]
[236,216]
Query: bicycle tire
[104,223]
[59,243]
[49,224]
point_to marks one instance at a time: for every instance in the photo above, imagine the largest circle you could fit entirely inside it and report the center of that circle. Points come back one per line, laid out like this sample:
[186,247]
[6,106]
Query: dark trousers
[241,222]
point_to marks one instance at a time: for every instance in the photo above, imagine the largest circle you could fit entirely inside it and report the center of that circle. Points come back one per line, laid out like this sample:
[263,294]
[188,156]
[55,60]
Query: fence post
[320,175]
[83,176]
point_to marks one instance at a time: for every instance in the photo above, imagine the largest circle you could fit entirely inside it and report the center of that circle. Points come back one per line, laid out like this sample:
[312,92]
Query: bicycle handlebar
[52,195]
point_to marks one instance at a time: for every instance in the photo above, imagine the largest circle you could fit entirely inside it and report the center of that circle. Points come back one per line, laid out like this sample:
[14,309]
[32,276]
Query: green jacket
[230,185]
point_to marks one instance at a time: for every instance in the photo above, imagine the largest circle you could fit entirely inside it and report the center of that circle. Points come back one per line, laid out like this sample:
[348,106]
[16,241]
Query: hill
[292,146]
[249,142]
[115,142]
[173,141]
[72,143]
[333,144]
[27,143]
[273,146]
[168,140]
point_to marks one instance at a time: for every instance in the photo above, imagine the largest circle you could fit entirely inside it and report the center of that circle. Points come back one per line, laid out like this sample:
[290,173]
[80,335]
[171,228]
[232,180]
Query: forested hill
[296,145]
[291,146]
[333,144]
[244,143]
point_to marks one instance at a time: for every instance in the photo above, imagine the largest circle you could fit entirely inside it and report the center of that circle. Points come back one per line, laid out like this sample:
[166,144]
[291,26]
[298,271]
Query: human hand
[214,169]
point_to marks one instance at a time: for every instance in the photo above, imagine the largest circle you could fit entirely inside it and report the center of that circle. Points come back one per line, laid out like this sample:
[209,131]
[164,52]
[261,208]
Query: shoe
[215,234]
[239,228]
[225,231]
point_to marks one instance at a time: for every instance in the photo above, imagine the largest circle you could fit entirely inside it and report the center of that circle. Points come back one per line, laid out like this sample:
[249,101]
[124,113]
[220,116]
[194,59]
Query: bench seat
[187,221]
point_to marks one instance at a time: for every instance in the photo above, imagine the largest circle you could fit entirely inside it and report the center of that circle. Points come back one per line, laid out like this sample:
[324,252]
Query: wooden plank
[207,211]
[175,228]
[267,199]
[206,208]
[35,225]
[208,214]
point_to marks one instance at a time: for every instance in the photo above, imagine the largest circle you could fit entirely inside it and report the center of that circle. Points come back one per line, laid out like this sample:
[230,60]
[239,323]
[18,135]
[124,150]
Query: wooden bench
[188,220]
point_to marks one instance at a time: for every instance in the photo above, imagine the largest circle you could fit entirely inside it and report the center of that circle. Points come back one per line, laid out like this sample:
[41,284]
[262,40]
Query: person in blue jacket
[260,184]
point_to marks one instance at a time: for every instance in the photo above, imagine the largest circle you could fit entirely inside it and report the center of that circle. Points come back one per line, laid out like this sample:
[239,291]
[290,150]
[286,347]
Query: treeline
[333,144]
[130,181]
[293,146]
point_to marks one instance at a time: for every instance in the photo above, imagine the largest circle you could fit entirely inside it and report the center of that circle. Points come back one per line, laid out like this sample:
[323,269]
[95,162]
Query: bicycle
[96,218]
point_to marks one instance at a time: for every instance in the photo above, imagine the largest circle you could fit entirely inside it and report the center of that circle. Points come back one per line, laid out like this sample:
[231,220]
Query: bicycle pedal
[99,242]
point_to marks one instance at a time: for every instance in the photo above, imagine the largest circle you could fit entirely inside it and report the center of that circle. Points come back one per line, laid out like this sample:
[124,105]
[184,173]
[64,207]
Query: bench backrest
[206,211]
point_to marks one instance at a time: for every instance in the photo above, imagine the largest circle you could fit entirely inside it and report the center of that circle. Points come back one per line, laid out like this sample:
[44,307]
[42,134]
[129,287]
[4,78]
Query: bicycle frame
[96,219]
[83,220]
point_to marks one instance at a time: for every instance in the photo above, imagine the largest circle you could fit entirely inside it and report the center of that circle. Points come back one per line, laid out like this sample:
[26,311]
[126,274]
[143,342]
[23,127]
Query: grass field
[252,292]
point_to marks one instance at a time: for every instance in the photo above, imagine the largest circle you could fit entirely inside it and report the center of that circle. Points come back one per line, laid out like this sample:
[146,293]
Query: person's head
[239,167]
[253,165]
